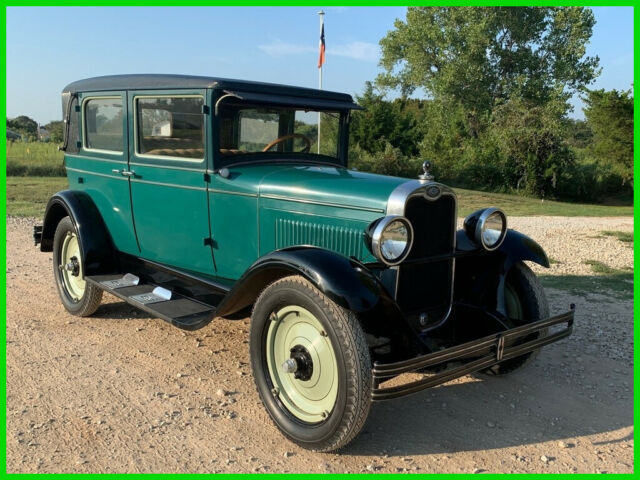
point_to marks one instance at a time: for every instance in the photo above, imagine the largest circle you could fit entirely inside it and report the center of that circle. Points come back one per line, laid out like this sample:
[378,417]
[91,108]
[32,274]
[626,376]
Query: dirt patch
[121,392]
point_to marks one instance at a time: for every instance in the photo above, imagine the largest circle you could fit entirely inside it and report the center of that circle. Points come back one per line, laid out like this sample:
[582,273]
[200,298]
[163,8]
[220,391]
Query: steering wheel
[284,138]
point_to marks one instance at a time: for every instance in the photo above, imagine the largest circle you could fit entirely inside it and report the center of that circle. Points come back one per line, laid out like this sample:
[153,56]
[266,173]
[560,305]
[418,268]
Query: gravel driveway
[122,392]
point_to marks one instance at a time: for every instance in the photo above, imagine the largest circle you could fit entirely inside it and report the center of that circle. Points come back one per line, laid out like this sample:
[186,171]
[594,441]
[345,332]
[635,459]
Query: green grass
[600,268]
[619,285]
[606,280]
[626,237]
[515,205]
[28,196]
[34,159]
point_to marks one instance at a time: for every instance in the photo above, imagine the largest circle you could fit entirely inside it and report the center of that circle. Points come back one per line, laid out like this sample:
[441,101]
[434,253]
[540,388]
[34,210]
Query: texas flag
[321,57]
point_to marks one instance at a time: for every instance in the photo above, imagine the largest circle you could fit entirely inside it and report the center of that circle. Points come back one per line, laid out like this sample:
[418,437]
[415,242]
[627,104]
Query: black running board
[179,310]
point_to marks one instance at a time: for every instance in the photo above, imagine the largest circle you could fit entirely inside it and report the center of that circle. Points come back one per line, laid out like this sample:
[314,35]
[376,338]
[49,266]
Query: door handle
[124,173]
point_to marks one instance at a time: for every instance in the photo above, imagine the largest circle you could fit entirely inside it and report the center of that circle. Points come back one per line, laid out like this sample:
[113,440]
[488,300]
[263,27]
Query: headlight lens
[394,240]
[491,228]
[391,239]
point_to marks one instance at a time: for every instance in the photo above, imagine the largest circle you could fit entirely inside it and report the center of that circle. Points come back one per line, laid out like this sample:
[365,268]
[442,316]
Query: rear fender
[96,245]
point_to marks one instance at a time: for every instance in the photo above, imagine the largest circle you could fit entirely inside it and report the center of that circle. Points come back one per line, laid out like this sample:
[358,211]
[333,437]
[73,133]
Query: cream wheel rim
[71,267]
[302,364]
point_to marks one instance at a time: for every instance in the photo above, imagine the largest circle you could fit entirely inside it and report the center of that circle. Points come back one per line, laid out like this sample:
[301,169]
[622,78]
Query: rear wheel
[525,302]
[311,365]
[78,297]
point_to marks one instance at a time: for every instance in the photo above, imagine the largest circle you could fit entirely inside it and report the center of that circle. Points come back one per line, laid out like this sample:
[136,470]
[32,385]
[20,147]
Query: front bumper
[477,355]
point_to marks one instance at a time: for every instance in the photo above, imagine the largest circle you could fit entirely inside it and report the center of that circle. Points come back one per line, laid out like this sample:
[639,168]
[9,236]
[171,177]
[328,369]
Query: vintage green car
[194,197]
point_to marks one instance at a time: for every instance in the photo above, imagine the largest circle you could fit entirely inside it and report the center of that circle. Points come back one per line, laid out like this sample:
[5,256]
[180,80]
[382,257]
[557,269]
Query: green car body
[197,197]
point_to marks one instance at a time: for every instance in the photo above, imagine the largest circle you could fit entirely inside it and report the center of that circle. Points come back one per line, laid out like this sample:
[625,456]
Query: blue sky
[50,47]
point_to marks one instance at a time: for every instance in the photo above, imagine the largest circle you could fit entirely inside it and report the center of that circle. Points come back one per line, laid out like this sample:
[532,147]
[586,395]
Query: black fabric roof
[161,82]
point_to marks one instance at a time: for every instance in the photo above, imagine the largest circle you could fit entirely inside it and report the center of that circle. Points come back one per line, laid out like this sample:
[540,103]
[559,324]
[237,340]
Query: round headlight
[491,228]
[391,239]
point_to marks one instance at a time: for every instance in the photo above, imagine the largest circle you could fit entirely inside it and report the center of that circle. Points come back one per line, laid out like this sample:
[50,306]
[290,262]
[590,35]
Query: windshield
[282,132]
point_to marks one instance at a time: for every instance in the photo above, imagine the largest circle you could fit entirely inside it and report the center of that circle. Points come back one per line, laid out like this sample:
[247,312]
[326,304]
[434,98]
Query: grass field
[515,205]
[34,158]
[27,196]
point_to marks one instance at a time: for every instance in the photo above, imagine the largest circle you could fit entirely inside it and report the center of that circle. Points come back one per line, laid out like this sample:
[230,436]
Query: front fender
[517,247]
[96,245]
[345,281]
[481,275]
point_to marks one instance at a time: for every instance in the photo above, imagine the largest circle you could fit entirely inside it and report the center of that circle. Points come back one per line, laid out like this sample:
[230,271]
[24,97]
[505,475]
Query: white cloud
[363,51]
[367,52]
[279,48]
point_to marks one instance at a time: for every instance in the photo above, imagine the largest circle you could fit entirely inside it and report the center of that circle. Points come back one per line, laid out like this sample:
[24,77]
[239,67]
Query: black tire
[87,302]
[352,366]
[533,302]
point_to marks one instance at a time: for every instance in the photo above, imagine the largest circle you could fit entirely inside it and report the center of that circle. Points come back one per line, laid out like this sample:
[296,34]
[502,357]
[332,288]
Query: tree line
[497,83]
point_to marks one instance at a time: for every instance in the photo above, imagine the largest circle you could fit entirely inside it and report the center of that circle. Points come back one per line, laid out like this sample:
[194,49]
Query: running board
[179,310]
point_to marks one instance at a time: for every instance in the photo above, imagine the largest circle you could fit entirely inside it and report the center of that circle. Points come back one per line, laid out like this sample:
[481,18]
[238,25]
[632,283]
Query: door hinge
[208,242]
[207,177]
[205,109]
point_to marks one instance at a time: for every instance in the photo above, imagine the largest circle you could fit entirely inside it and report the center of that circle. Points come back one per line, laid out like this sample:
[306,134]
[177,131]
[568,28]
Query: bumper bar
[481,354]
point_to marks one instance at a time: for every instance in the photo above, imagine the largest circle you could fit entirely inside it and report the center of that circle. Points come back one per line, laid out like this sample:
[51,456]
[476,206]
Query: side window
[170,127]
[103,124]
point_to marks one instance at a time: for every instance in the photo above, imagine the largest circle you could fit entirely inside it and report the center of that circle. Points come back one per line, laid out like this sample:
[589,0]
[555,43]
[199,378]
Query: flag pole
[321,14]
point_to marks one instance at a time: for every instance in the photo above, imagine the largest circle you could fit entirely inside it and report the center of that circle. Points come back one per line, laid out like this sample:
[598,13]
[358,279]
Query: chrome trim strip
[113,177]
[185,187]
[400,195]
[241,194]
[325,204]
[167,167]
[94,159]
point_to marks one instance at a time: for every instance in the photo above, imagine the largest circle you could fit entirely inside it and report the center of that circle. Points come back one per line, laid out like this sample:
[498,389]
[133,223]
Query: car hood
[330,185]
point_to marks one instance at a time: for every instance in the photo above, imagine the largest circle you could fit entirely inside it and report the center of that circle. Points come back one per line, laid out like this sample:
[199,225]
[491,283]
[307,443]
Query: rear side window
[103,124]
[170,127]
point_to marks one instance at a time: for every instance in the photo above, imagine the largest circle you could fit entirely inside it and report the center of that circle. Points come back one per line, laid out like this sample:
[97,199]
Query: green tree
[23,125]
[499,80]
[609,114]
[481,56]
[55,131]
[398,123]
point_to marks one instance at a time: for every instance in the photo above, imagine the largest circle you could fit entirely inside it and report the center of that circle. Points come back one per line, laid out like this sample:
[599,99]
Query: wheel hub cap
[71,267]
[302,364]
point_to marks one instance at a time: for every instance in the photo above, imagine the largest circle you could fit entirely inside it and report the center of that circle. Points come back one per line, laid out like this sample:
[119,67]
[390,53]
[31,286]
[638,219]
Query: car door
[98,155]
[167,168]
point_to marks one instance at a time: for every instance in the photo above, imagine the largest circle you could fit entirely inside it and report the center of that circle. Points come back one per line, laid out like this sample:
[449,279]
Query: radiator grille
[347,241]
[427,286]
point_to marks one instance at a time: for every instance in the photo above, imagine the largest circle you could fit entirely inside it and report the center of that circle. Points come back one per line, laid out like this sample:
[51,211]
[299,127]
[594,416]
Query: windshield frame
[340,160]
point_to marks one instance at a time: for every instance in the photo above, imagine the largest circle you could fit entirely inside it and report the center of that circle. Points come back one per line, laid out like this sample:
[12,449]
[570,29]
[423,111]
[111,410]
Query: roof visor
[289,100]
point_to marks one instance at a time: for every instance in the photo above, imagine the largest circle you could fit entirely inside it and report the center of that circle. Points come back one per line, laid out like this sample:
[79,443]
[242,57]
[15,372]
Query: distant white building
[43,133]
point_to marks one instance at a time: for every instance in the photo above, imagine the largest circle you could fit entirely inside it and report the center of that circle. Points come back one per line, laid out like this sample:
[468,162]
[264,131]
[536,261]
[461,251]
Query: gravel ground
[122,392]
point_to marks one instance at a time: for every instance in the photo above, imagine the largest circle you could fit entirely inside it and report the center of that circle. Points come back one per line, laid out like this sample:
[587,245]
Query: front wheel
[311,365]
[525,302]
[78,297]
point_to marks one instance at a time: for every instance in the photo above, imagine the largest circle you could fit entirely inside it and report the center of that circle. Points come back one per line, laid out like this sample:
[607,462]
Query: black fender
[346,281]
[492,267]
[95,241]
